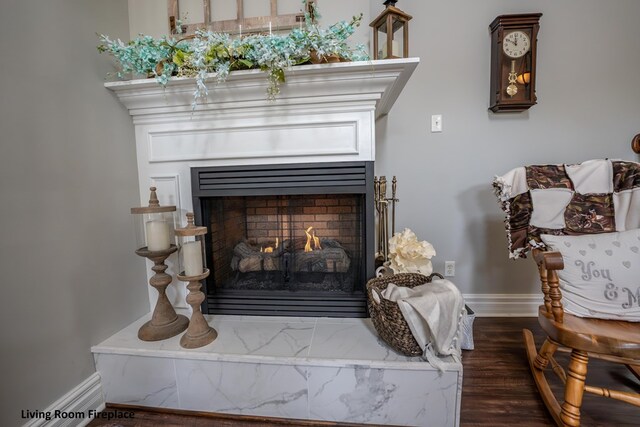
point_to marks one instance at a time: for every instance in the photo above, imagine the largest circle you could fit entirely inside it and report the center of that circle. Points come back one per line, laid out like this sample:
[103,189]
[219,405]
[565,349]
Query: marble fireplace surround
[305,368]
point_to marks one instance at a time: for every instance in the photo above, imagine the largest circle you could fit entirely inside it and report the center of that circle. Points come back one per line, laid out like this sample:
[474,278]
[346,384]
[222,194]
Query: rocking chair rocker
[583,208]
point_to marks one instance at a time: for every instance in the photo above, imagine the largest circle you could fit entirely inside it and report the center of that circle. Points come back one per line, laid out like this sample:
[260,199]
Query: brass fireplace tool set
[155,232]
[384,204]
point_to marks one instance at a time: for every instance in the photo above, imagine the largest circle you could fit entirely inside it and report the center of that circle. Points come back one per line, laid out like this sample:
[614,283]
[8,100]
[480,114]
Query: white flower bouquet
[408,255]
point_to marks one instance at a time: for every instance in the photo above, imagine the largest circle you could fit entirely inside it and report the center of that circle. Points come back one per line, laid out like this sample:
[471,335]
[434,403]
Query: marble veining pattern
[304,368]
[243,388]
[379,396]
[145,381]
[355,339]
[286,339]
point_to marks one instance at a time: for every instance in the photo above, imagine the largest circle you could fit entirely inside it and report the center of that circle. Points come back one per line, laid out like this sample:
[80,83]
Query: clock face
[516,44]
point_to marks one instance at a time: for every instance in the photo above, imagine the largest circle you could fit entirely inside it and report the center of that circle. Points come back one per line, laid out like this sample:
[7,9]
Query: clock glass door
[516,68]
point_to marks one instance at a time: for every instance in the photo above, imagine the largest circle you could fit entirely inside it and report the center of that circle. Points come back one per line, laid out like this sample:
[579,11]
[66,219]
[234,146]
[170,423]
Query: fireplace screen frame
[354,178]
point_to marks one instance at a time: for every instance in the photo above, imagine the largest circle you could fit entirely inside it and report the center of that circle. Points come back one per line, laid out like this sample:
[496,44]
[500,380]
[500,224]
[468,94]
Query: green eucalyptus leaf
[246,63]
[178,58]
[279,74]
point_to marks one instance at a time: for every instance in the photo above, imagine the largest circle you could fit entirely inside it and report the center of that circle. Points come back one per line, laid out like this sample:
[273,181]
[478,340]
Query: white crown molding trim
[363,82]
[84,397]
[504,305]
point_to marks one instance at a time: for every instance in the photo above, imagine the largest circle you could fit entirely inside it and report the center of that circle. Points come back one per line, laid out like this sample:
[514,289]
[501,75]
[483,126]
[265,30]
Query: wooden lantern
[392,25]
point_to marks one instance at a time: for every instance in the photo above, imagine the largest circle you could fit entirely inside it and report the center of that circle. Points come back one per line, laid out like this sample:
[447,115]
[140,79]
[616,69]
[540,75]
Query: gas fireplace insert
[287,240]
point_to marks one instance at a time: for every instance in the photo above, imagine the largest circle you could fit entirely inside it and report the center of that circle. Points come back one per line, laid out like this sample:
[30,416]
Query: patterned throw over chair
[582,224]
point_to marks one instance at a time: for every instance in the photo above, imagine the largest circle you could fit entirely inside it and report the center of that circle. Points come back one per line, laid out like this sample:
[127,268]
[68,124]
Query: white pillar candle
[158,235]
[192,259]
[395,45]
[396,50]
[269,27]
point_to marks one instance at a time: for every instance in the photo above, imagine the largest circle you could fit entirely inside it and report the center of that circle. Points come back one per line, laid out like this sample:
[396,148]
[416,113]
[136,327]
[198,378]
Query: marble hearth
[299,368]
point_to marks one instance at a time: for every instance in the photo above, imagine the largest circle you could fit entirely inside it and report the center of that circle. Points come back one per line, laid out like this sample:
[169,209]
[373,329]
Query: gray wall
[589,107]
[67,180]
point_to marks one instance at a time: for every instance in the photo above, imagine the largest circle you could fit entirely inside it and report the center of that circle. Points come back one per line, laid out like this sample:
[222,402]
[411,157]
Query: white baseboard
[504,305]
[81,399]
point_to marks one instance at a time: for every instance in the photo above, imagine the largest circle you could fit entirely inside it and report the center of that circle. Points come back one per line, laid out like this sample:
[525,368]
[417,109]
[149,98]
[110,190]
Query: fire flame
[270,249]
[311,236]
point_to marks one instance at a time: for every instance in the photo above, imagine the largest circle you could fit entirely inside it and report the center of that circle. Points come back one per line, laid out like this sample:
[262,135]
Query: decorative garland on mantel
[208,52]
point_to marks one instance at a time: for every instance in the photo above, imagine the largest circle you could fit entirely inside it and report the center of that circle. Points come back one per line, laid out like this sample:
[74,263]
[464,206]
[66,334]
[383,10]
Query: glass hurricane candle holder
[192,270]
[155,241]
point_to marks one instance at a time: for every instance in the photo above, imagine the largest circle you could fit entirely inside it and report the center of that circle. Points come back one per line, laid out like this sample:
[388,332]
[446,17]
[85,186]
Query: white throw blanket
[433,312]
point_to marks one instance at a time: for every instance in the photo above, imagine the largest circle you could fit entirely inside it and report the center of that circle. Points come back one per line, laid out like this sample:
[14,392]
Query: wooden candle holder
[199,333]
[165,322]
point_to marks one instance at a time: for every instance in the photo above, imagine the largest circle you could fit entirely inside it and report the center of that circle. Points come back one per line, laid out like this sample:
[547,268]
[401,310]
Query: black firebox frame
[284,180]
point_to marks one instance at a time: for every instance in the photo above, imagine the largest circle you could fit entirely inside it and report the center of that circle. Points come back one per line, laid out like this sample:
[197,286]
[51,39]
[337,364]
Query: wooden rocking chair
[546,205]
[610,340]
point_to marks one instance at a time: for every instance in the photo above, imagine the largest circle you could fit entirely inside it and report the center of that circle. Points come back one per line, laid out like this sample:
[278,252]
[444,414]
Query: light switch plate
[436,123]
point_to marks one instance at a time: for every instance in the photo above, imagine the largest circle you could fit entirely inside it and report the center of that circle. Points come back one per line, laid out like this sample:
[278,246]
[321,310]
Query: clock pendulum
[512,89]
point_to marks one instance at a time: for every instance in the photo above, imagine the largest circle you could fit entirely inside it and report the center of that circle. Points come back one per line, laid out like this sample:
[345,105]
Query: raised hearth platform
[302,368]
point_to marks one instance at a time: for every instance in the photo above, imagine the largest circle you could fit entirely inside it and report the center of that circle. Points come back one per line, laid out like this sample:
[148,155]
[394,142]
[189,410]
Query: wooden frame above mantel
[253,24]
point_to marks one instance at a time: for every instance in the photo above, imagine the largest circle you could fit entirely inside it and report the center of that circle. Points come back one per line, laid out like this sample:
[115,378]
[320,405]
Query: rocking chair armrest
[550,260]
[548,265]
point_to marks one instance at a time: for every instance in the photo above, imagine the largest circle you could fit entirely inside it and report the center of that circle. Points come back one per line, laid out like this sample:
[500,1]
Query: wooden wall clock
[514,40]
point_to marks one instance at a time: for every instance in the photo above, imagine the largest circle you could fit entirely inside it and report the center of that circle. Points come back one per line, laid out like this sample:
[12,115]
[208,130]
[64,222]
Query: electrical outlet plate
[449,268]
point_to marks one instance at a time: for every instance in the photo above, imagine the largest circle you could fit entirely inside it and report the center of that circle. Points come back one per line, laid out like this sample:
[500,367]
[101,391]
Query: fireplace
[325,114]
[287,240]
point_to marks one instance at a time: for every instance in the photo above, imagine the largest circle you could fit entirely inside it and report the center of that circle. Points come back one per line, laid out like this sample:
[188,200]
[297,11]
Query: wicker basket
[386,315]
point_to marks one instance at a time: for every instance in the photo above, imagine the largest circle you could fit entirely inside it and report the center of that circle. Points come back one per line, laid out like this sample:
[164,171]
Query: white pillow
[601,275]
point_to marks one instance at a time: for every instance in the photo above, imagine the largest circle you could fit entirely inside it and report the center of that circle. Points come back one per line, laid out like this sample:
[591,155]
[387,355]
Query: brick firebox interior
[261,220]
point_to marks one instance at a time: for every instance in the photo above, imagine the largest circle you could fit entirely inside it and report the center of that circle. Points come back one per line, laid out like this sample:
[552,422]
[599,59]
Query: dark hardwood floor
[498,389]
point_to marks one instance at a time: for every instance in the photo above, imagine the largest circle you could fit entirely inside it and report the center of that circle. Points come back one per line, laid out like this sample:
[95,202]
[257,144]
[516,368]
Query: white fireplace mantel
[324,113]
[325,86]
